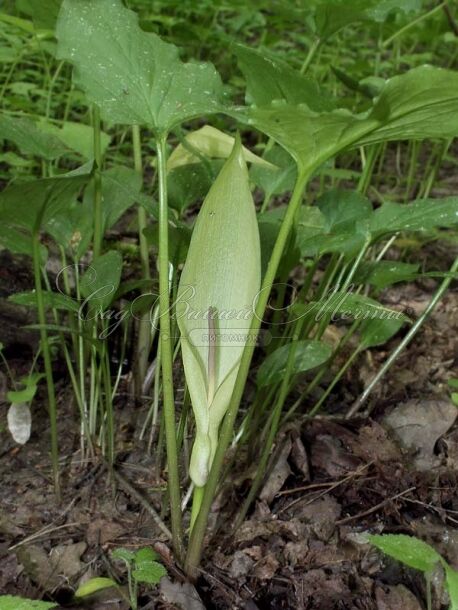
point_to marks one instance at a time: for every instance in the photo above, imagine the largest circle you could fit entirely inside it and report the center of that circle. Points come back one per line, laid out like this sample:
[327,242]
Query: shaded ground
[303,546]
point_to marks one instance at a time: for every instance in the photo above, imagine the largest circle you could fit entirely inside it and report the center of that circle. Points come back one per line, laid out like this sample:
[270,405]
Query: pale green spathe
[222,275]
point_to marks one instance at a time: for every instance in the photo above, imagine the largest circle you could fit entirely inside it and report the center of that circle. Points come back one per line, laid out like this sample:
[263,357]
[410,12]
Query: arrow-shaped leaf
[132,75]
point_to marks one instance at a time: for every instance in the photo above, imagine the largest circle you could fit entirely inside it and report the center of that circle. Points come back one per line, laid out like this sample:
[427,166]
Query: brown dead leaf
[8,568]
[325,590]
[241,564]
[51,571]
[373,443]
[8,527]
[295,552]
[396,598]
[66,559]
[330,456]
[278,475]
[101,531]
[266,568]
[299,457]
[321,515]
[36,564]
[181,595]
[419,424]
[293,529]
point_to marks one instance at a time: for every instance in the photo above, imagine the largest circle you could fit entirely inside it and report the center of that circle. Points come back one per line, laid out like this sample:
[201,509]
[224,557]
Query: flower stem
[144,329]
[98,220]
[311,54]
[166,354]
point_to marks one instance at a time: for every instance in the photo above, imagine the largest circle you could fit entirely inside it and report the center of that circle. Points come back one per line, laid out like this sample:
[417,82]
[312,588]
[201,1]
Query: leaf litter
[304,545]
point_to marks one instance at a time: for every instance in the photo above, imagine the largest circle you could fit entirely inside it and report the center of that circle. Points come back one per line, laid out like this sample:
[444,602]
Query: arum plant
[218,287]
[134,78]
[137,79]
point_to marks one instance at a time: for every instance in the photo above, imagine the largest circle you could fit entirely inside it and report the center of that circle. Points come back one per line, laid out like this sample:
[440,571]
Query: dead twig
[144,502]
[375,508]
[331,487]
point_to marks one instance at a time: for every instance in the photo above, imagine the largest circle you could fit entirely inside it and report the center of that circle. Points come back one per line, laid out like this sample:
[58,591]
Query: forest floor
[393,469]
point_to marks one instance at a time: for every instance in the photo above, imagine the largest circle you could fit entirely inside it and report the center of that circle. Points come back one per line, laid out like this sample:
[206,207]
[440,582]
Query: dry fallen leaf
[419,424]
[278,475]
[394,598]
[182,595]
[241,564]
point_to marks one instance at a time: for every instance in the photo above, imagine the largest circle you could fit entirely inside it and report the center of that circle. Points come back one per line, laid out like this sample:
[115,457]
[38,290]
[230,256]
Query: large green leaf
[77,137]
[30,139]
[132,75]
[423,103]
[269,227]
[270,79]
[408,550]
[385,273]
[21,204]
[421,215]
[308,355]
[215,301]
[338,223]
[100,282]
[343,210]
[121,188]
[43,12]
[18,242]
[330,16]
[55,300]
[378,331]
[348,243]
[278,179]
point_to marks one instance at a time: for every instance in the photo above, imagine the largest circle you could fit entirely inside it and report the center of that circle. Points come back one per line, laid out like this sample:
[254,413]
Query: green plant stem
[434,167]
[415,147]
[331,386]
[98,219]
[52,404]
[368,168]
[405,341]
[106,372]
[52,83]
[197,497]
[198,532]
[166,354]
[413,23]
[144,332]
[311,54]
